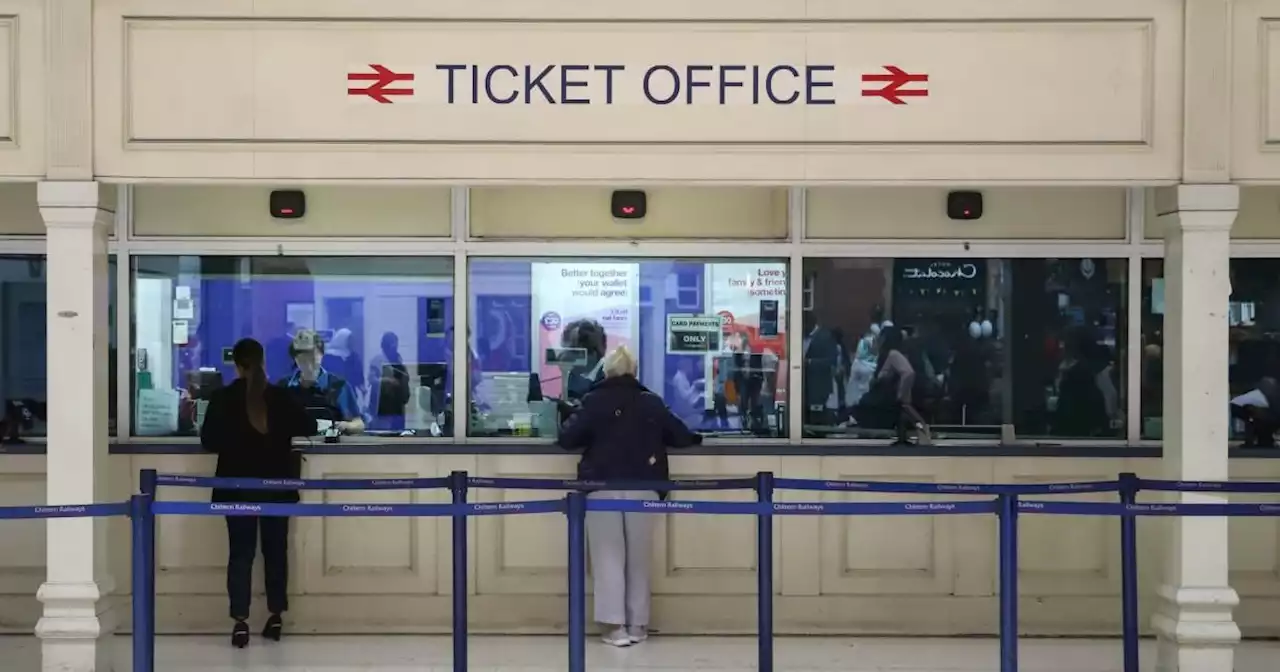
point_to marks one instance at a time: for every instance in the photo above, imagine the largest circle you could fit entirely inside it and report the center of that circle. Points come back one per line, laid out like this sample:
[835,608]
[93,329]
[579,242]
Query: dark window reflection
[987,349]
[23,346]
[1253,321]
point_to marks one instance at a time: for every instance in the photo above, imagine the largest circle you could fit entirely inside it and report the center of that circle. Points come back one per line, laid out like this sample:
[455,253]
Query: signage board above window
[705,82]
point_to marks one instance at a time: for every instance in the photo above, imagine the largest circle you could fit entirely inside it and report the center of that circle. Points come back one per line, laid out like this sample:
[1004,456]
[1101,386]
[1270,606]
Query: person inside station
[250,425]
[1257,410]
[389,385]
[895,380]
[588,335]
[327,396]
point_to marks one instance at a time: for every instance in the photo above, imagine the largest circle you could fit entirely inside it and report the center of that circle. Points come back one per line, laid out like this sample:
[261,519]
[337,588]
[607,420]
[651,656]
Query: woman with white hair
[624,431]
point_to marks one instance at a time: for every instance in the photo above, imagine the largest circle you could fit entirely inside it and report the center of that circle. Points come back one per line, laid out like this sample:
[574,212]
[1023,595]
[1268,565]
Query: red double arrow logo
[382,78]
[894,80]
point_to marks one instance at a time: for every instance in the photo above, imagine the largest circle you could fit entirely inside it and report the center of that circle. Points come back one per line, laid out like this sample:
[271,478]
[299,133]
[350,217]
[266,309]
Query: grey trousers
[620,547]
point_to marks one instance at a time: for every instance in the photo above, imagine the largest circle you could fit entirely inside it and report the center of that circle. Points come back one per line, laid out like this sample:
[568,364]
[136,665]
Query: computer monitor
[433,376]
[203,382]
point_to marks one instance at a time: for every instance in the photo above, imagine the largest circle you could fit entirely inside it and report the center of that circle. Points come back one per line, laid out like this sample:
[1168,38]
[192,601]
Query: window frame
[796,248]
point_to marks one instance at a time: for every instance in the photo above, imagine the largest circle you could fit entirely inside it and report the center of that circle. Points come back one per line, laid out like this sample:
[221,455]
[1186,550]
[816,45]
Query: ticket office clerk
[328,397]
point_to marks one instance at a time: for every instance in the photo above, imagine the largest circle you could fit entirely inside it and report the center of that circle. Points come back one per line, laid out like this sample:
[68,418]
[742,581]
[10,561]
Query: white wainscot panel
[696,554]
[367,556]
[22,562]
[191,551]
[1065,555]
[886,555]
[525,554]
[1255,542]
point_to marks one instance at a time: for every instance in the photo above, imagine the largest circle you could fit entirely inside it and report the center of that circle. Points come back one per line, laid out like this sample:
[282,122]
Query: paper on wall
[156,413]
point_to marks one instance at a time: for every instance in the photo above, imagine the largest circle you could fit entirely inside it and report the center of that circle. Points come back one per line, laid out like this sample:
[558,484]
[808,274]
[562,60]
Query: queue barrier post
[576,511]
[458,488]
[1129,486]
[141,639]
[148,484]
[764,573]
[1008,517]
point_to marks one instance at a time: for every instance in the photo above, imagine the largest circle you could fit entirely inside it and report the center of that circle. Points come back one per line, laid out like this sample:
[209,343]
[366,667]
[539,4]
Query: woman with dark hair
[893,368]
[250,425]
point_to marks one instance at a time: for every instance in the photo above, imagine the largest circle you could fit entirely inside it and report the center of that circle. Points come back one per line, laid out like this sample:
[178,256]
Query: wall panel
[1080,213]
[355,212]
[583,212]
[22,90]
[243,95]
[1255,128]
[371,556]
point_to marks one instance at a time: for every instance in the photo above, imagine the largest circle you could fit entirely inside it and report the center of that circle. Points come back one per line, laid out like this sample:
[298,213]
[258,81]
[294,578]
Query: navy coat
[624,431]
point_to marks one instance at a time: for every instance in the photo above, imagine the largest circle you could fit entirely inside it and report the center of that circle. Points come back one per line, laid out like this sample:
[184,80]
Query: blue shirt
[348,407]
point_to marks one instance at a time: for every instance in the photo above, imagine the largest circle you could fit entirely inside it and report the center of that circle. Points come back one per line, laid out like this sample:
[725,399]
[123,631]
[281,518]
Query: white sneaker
[637,633]
[616,637]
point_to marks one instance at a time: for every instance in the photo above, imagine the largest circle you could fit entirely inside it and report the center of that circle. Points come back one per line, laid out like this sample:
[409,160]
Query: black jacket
[624,431]
[244,453]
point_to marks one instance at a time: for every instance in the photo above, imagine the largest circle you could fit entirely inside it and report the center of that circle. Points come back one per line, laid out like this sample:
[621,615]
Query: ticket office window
[995,349]
[380,329]
[24,356]
[1253,324]
[710,337]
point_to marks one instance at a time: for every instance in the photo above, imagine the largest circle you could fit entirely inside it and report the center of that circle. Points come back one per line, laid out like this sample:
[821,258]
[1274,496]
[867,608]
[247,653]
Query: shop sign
[658,84]
[693,334]
[936,278]
[940,270]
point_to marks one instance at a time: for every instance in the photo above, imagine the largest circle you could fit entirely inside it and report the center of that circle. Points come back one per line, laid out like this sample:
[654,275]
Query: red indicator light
[628,210]
[286,211]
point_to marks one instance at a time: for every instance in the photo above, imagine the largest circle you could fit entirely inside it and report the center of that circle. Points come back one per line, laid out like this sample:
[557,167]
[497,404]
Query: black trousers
[242,538]
[1260,425]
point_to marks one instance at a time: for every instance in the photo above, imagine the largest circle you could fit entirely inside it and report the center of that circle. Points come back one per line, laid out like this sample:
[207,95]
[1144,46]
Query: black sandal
[274,628]
[240,635]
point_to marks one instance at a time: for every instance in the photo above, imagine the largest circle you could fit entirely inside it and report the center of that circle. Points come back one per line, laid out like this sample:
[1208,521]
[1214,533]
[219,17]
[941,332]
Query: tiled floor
[547,654]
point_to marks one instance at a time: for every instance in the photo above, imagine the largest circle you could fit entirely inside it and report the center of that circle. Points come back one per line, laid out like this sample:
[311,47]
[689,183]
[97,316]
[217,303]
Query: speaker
[628,204]
[964,205]
[288,204]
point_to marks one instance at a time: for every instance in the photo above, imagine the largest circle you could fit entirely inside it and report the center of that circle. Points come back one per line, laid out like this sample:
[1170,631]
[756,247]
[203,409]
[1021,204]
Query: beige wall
[19,213]
[889,212]
[923,575]
[22,89]
[1259,216]
[1255,90]
[1057,91]
[583,212]
[363,212]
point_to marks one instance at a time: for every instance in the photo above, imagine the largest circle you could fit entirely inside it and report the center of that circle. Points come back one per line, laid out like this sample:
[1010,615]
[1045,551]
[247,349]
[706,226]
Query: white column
[77,623]
[1193,621]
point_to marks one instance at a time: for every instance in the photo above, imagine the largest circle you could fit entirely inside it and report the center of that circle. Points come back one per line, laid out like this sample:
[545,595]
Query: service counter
[918,576]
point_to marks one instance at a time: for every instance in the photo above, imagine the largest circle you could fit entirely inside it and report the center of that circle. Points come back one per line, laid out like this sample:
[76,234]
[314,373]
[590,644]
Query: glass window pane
[710,338]
[384,325]
[1253,323]
[986,349]
[24,356]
